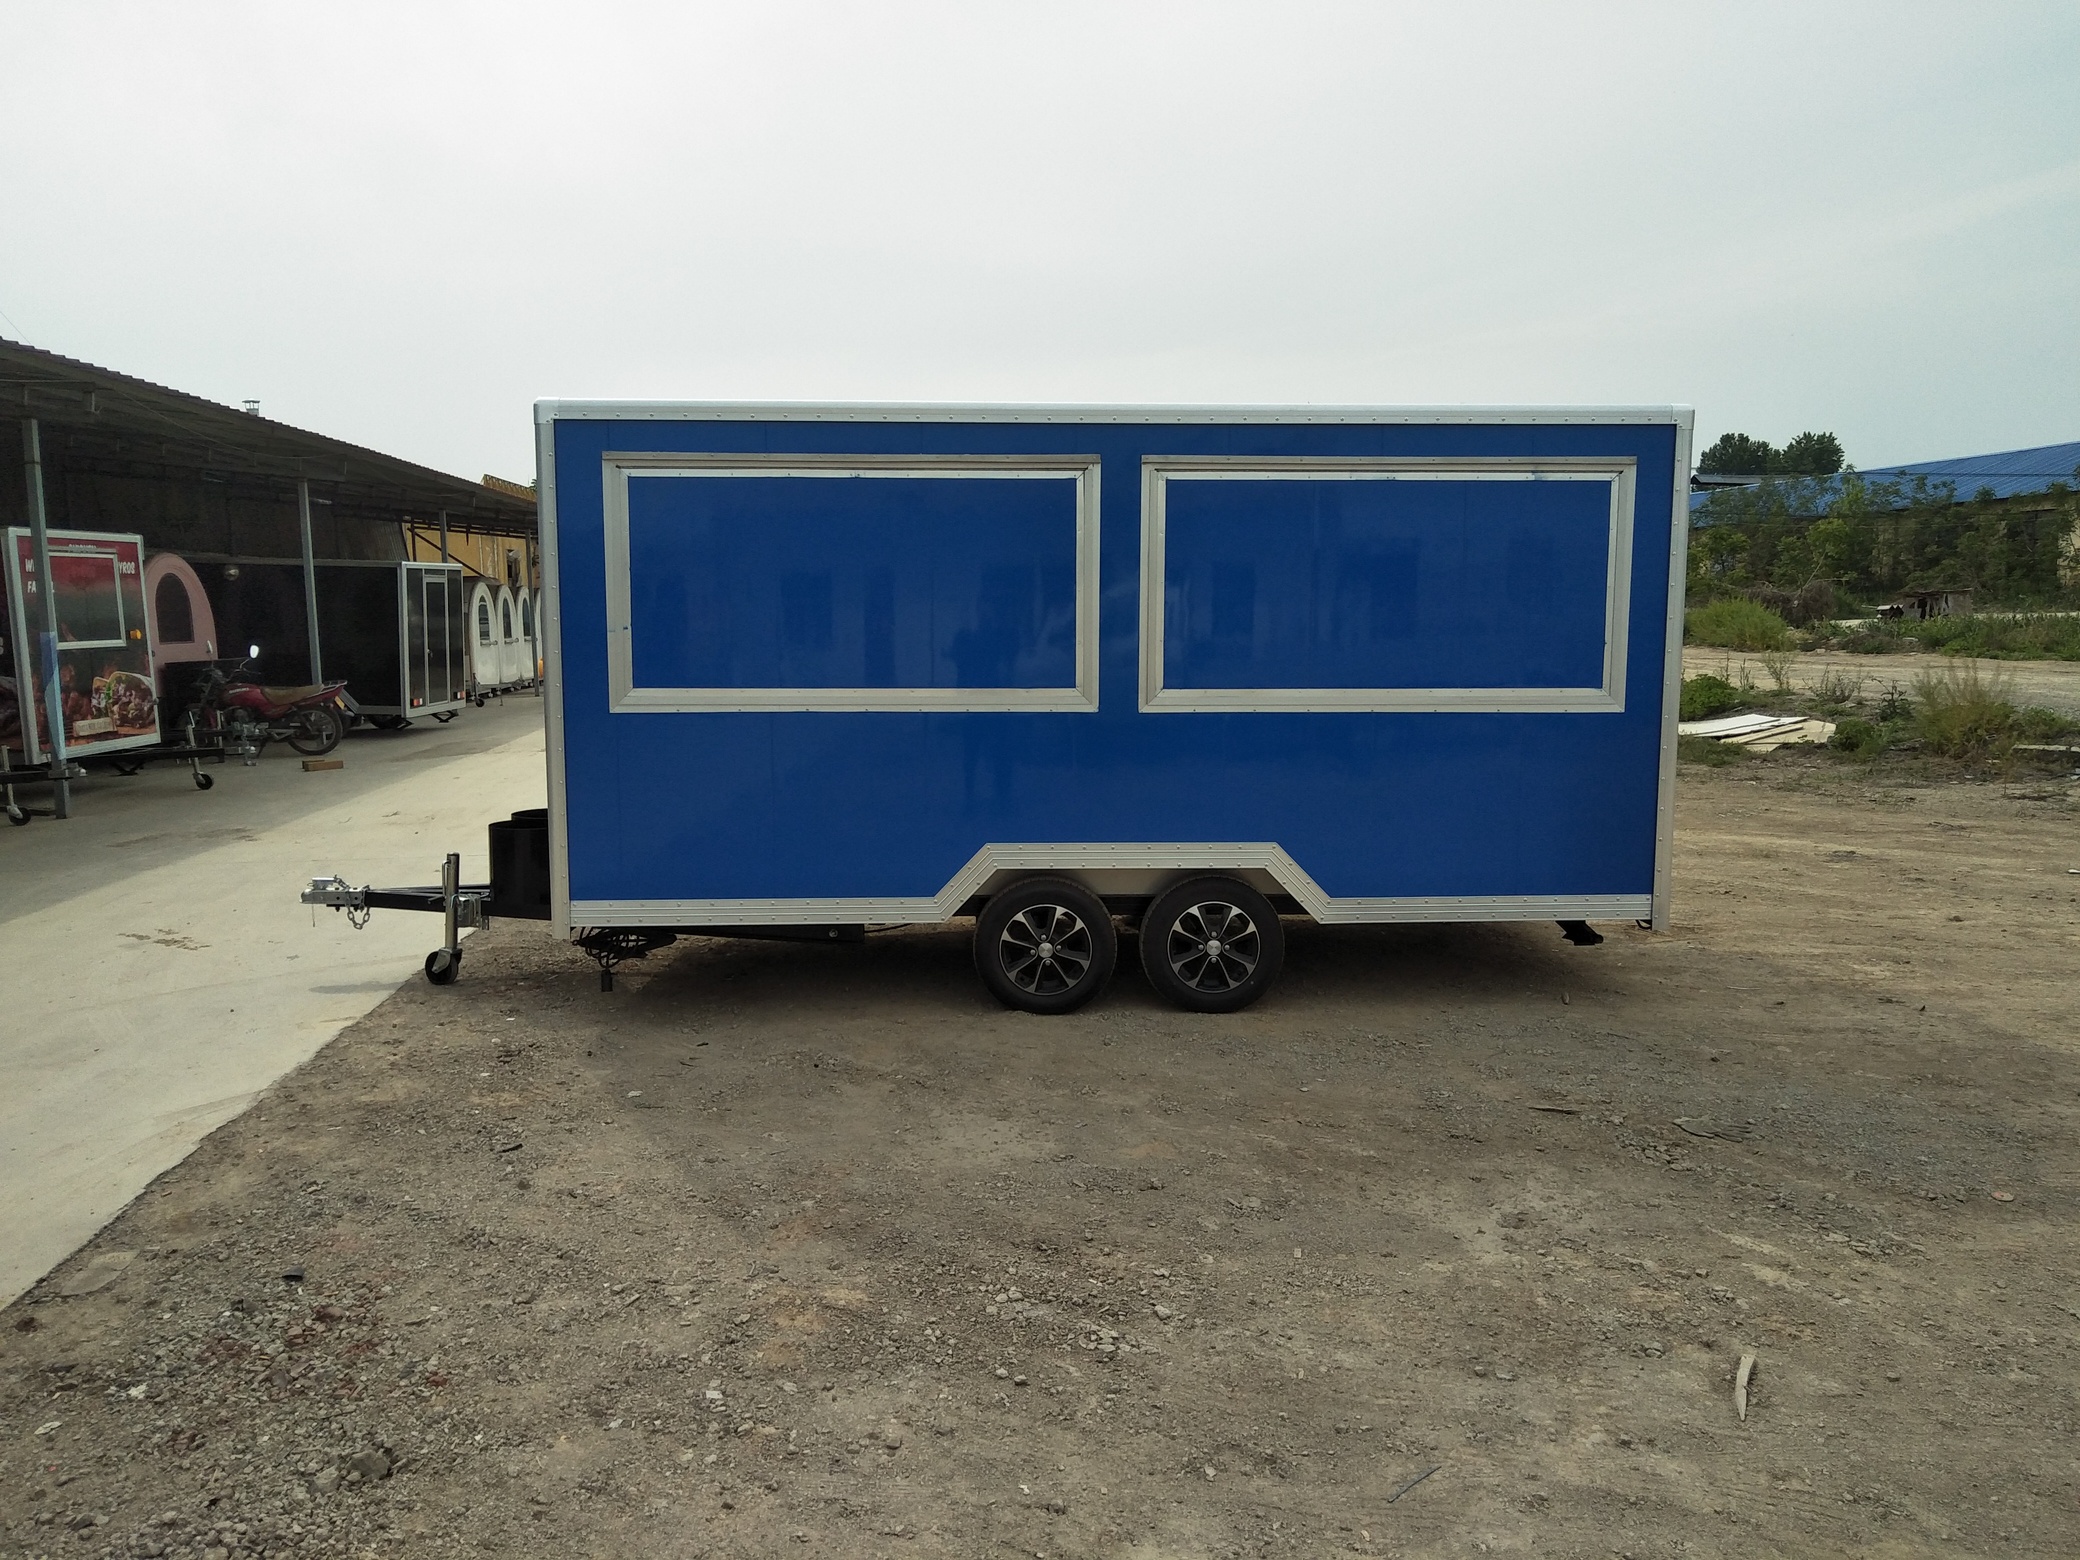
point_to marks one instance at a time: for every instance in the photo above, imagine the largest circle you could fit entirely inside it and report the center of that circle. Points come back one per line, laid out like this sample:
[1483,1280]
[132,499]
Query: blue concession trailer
[817,669]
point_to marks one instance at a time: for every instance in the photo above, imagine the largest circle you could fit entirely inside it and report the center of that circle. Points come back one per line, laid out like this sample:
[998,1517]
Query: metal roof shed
[99,449]
[99,426]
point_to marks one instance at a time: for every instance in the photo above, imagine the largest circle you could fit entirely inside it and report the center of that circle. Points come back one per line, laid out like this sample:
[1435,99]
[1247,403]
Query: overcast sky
[401,224]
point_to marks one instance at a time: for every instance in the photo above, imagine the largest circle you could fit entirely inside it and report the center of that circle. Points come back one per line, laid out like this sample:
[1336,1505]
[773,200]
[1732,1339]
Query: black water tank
[520,866]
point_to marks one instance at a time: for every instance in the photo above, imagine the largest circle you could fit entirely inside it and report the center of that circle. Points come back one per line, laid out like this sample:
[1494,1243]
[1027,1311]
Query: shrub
[1735,623]
[1894,707]
[1962,713]
[1881,637]
[1822,635]
[1713,755]
[1706,696]
[1999,636]
[1811,603]
[1858,738]
[2034,723]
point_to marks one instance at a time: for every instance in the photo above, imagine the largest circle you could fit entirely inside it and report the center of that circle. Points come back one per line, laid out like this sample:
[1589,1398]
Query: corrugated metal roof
[95,417]
[2008,473]
[2005,474]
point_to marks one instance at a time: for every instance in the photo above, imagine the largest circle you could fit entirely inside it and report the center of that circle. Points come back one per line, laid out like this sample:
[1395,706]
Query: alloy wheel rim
[1045,950]
[1213,946]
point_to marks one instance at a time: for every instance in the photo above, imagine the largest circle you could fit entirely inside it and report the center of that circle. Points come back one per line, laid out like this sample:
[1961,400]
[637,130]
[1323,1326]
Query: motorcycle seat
[291,695]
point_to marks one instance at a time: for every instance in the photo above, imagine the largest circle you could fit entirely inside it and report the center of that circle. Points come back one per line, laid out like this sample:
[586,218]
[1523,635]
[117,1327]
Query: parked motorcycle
[310,719]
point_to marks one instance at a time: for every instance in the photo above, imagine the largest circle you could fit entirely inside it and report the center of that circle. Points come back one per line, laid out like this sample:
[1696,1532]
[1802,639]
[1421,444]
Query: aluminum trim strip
[993,859]
[1672,684]
[550,410]
[549,626]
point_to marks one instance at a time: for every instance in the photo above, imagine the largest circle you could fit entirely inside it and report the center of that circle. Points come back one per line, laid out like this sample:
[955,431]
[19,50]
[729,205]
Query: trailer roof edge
[871,411]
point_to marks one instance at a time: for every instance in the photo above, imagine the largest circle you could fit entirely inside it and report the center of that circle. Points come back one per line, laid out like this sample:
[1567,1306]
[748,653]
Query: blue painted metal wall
[1292,584]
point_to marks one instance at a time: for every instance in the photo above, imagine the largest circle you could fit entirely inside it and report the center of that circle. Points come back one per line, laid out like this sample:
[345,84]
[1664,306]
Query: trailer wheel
[442,966]
[204,782]
[18,816]
[1212,945]
[1045,945]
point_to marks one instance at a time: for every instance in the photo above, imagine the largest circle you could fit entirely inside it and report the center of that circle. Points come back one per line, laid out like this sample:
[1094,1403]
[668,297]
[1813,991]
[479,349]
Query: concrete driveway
[158,972]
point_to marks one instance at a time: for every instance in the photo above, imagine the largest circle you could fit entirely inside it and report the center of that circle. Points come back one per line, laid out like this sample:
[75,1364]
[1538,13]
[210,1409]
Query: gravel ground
[1453,1244]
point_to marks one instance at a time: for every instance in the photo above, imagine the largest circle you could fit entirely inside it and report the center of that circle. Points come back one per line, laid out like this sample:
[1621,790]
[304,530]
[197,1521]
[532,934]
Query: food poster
[104,642]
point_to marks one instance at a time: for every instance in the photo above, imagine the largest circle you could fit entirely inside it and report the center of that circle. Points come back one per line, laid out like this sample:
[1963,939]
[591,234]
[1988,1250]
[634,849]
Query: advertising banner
[103,654]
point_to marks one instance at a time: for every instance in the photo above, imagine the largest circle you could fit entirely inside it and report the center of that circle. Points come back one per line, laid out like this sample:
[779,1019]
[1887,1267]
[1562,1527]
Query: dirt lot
[797,1250]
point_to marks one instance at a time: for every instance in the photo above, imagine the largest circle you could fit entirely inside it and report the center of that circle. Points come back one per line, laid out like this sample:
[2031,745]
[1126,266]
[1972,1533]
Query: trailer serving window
[916,584]
[1321,585]
[104,646]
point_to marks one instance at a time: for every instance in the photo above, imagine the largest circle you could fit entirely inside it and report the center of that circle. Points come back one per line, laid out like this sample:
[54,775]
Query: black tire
[316,731]
[389,722]
[1212,945]
[1056,915]
[442,966]
[204,782]
[18,817]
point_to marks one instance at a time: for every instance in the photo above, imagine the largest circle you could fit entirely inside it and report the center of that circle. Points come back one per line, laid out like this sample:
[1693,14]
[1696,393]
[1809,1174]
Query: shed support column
[310,578]
[47,635]
[444,536]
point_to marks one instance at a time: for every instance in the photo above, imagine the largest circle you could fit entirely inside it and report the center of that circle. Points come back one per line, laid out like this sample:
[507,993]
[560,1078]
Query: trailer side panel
[849,664]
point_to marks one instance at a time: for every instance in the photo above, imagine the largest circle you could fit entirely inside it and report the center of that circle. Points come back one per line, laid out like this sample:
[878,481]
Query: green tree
[1718,557]
[1808,455]
[1736,455]
[1836,550]
[1874,539]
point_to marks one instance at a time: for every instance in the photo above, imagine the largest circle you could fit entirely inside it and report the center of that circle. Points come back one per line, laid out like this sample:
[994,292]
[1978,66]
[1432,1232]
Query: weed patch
[1713,755]
[1858,738]
[1964,713]
[1837,690]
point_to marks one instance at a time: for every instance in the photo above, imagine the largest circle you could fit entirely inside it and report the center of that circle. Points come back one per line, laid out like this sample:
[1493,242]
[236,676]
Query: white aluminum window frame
[1606,697]
[626,697]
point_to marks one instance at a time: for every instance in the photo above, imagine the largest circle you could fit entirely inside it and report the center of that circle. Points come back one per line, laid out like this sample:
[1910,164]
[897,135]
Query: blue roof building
[2004,474]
